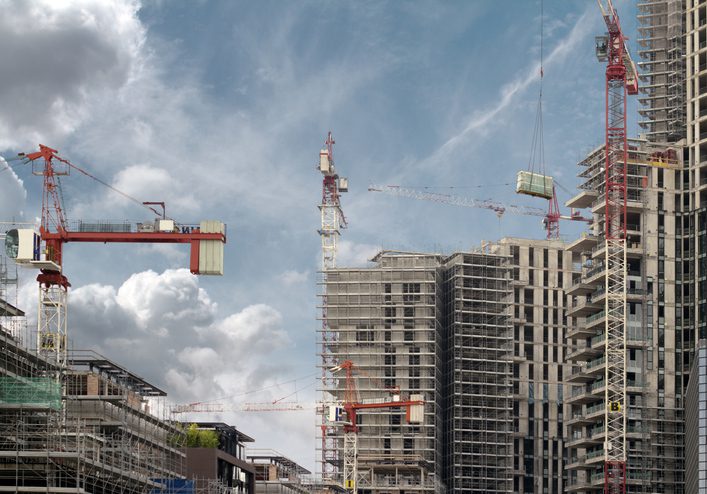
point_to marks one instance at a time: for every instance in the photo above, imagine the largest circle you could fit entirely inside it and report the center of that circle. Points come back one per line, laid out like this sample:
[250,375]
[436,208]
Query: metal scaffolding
[479,420]
[387,320]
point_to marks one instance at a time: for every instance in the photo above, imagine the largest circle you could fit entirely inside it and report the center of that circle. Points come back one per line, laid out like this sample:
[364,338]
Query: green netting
[30,391]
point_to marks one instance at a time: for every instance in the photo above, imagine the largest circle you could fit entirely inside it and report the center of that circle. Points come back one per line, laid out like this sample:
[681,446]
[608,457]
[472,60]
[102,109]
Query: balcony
[585,352]
[580,287]
[582,308]
[580,330]
[582,200]
[583,244]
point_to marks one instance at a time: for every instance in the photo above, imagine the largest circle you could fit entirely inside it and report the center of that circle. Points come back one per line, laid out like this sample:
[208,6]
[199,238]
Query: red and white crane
[45,250]
[332,222]
[621,79]
[551,218]
[414,412]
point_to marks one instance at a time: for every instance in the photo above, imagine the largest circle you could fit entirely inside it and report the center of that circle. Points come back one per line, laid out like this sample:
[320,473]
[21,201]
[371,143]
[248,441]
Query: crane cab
[22,245]
[601,47]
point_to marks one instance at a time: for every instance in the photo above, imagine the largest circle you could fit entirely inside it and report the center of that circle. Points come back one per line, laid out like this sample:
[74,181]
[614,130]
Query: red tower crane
[25,246]
[621,79]
[414,409]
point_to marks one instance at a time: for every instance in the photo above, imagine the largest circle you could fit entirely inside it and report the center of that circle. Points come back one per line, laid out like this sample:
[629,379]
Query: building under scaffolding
[91,427]
[388,320]
[434,325]
[478,427]
[98,436]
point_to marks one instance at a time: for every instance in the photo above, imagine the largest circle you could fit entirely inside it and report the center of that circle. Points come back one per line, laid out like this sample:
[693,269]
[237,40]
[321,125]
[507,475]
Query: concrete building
[277,474]
[654,337]
[478,423]
[541,273]
[481,335]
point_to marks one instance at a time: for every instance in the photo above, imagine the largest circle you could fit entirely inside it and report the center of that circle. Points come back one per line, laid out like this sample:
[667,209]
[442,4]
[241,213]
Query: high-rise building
[653,318]
[478,424]
[661,48]
[696,423]
[541,273]
[387,319]
[481,335]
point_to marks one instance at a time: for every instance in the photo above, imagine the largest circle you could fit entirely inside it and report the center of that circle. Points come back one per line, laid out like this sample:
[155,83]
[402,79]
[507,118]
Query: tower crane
[217,407]
[45,250]
[551,218]
[621,79]
[332,222]
[414,411]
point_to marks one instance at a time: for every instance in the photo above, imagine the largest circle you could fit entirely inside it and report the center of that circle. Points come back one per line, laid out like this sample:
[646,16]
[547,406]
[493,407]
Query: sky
[220,107]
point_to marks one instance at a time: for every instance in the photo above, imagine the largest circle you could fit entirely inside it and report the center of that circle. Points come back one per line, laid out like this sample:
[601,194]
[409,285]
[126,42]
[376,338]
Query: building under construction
[92,426]
[655,341]
[88,429]
[387,319]
[661,48]
[481,336]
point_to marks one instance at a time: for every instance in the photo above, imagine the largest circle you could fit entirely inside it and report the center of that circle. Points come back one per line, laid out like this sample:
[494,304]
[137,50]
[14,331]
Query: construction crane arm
[494,206]
[211,407]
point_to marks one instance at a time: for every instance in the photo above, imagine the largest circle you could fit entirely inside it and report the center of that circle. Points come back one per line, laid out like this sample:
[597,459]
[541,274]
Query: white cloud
[165,327]
[480,121]
[57,57]
[293,277]
[353,254]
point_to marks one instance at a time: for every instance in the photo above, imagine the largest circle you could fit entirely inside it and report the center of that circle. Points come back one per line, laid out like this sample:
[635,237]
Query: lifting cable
[537,147]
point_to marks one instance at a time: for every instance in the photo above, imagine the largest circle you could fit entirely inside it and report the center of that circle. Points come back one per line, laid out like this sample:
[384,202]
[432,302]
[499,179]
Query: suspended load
[534,184]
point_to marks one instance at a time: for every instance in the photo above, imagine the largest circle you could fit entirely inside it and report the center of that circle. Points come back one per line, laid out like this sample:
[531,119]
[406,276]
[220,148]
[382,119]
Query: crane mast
[332,222]
[414,410]
[620,80]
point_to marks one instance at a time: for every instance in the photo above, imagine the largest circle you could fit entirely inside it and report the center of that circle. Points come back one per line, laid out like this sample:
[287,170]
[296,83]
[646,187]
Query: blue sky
[220,108]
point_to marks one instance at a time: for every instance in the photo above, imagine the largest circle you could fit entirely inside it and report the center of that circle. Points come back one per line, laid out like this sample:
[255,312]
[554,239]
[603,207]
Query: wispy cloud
[480,120]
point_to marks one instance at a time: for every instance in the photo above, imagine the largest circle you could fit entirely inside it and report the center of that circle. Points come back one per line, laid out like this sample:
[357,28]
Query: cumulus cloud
[57,56]
[166,327]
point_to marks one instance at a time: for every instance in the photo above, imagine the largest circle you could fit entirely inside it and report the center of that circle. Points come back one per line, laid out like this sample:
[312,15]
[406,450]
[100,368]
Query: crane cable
[118,191]
[89,175]
[537,147]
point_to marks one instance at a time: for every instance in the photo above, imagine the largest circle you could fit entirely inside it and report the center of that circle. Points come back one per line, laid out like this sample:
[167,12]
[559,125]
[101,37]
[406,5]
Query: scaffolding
[90,427]
[387,320]
[479,421]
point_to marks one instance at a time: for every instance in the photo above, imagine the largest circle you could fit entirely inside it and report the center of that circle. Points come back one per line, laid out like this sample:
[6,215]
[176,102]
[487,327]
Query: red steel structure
[55,232]
[621,79]
[351,406]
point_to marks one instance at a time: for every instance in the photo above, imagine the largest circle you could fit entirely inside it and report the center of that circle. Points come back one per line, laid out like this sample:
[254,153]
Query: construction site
[548,365]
